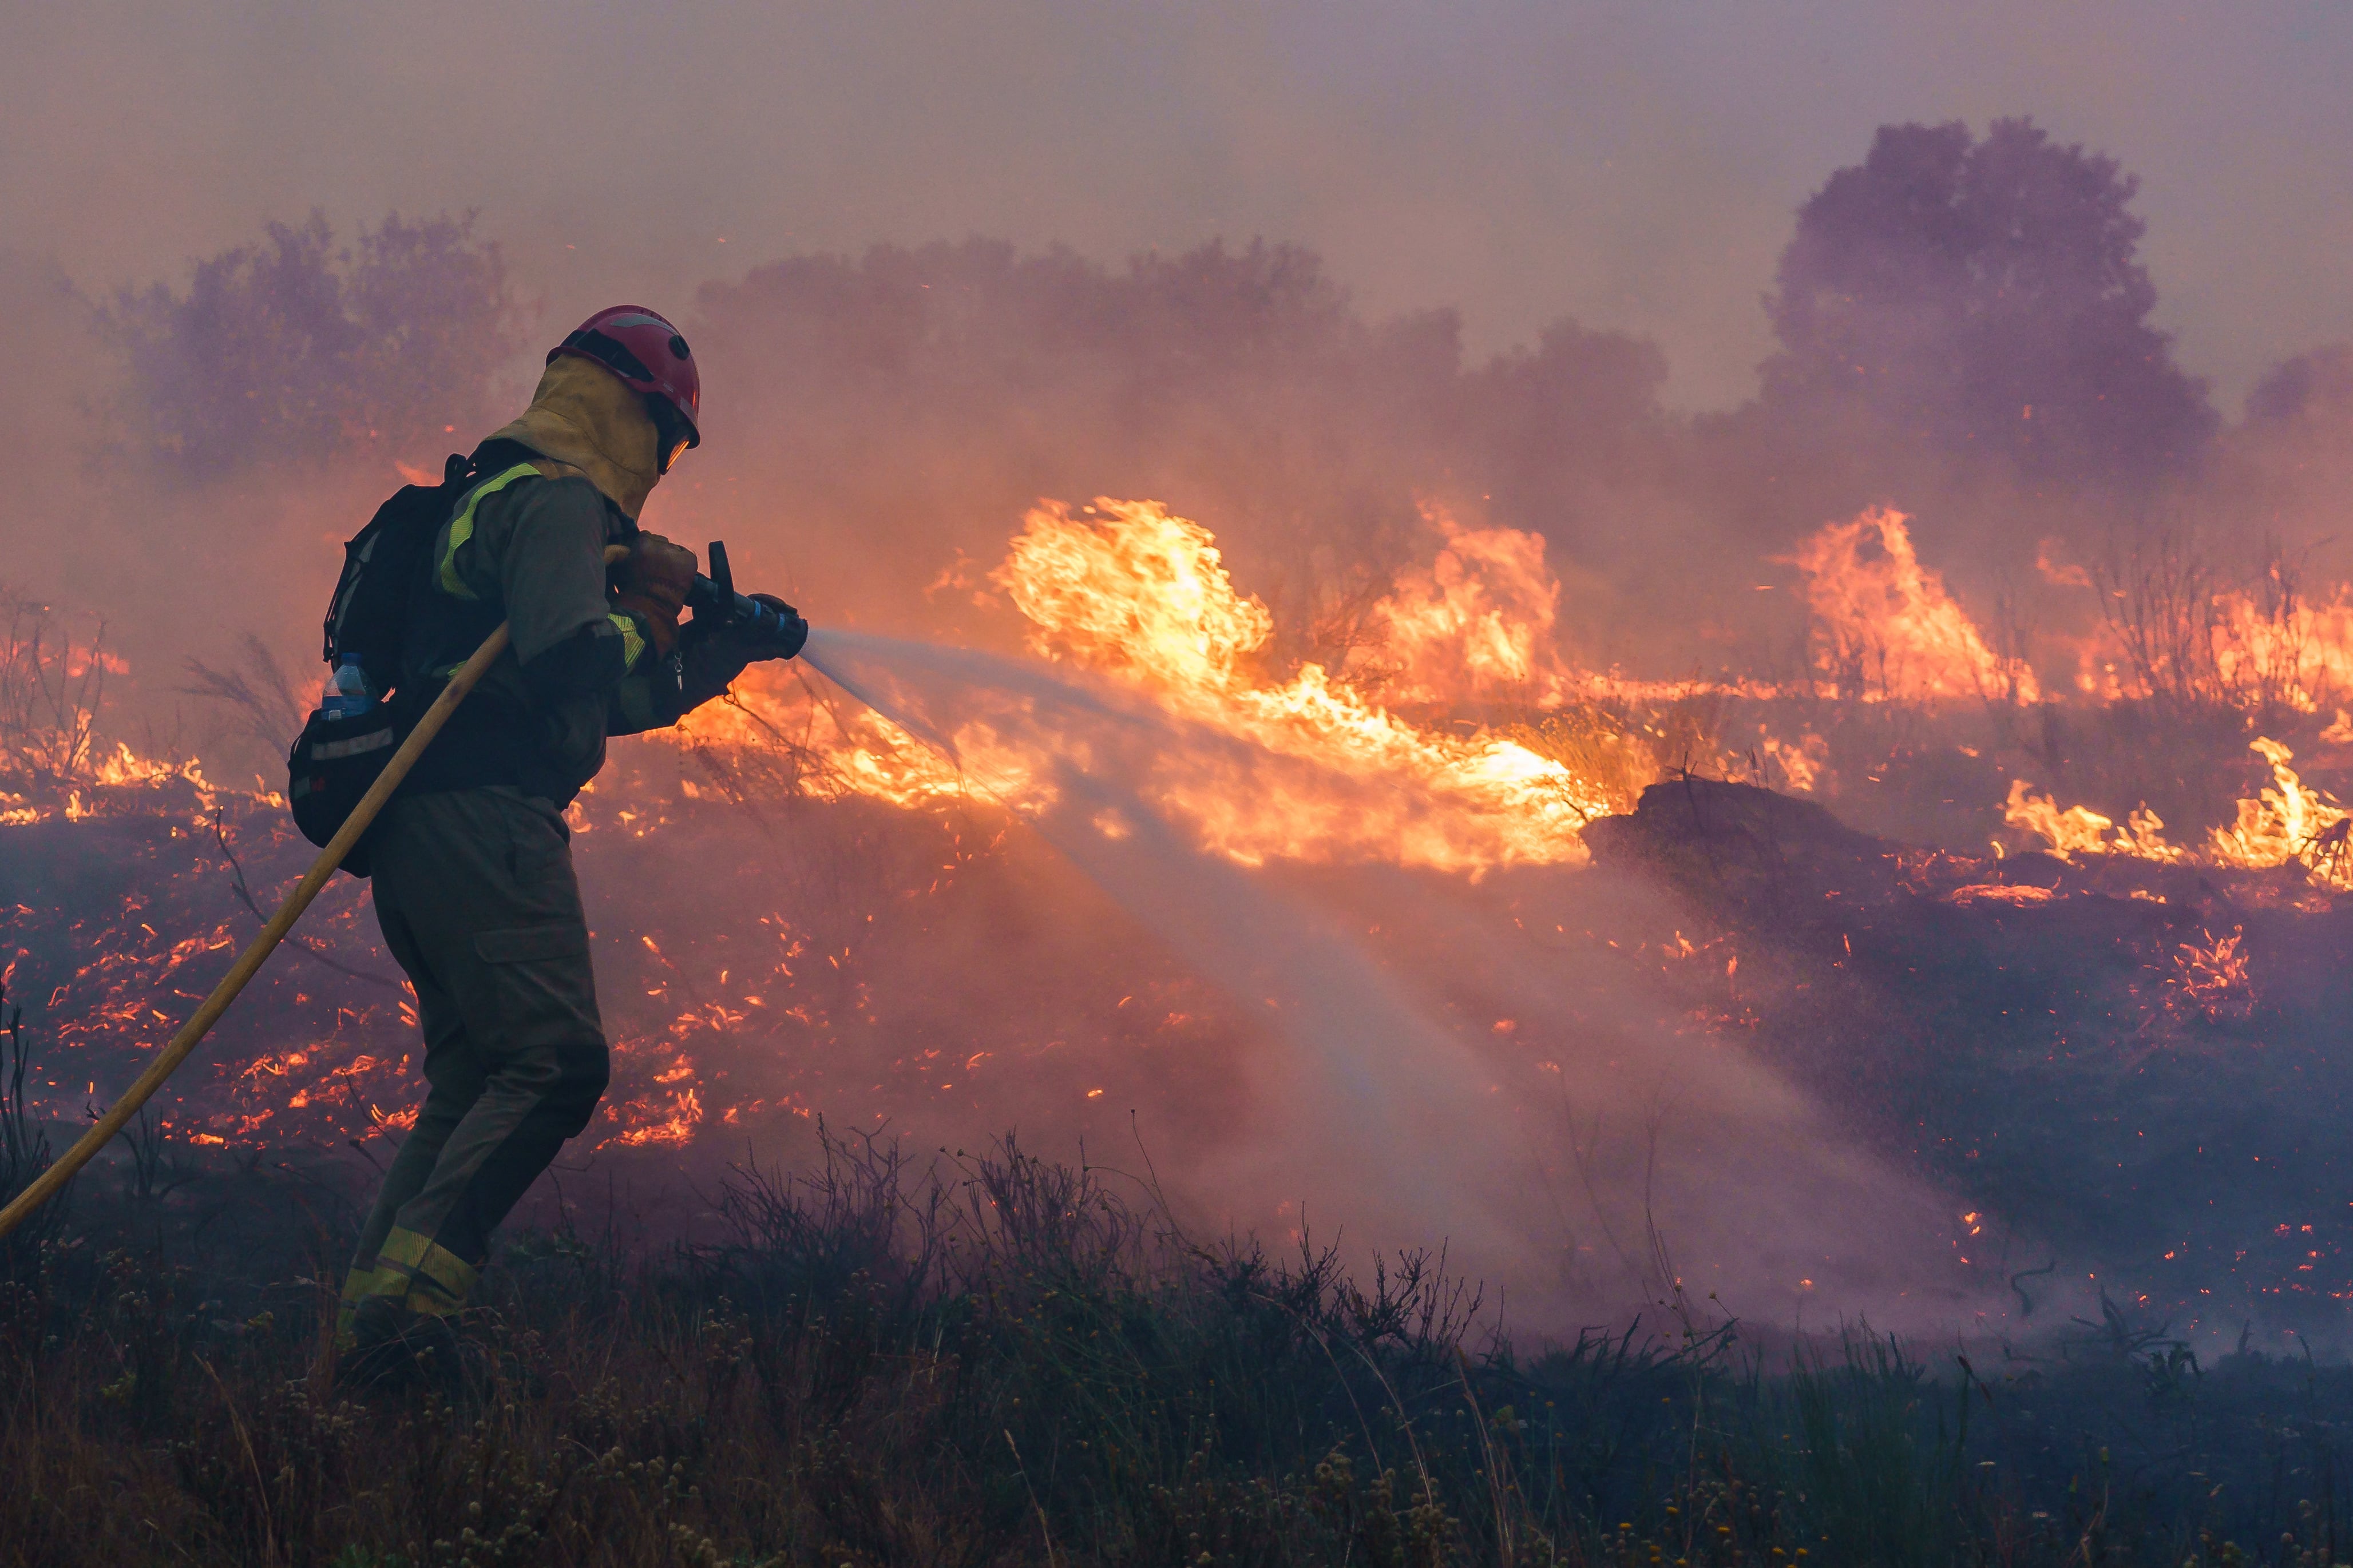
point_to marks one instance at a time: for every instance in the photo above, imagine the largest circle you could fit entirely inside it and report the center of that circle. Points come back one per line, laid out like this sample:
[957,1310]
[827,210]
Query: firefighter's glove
[654,582]
[712,651]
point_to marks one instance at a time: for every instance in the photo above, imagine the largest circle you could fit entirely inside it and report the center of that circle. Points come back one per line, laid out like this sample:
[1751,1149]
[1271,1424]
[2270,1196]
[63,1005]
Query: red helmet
[649,355]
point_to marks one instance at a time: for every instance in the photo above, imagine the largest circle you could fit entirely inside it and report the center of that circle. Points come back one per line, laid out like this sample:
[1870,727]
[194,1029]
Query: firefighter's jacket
[525,545]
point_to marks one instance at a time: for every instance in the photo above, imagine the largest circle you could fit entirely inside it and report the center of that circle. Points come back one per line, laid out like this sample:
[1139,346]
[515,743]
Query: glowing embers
[2000,893]
[2209,978]
[667,1118]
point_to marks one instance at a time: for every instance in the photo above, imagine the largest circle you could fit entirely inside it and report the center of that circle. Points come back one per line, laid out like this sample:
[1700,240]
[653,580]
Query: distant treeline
[1962,327]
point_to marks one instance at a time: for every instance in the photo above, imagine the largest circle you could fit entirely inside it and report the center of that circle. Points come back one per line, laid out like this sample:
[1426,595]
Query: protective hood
[582,416]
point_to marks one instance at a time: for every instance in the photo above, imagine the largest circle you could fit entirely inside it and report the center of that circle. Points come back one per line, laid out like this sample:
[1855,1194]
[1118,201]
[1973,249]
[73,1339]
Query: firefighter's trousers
[475,893]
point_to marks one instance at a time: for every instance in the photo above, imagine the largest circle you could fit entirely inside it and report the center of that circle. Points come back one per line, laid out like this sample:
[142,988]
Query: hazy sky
[1633,165]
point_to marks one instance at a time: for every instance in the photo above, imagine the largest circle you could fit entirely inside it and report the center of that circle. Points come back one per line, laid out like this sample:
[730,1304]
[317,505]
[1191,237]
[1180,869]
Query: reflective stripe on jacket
[525,544]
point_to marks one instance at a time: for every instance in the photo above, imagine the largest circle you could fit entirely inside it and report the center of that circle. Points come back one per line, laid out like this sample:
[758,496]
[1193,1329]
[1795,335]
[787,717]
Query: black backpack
[384,562]
[335,760]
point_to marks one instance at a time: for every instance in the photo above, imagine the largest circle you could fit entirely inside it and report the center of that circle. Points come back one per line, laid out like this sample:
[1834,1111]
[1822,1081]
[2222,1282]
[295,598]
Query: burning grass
[803,909]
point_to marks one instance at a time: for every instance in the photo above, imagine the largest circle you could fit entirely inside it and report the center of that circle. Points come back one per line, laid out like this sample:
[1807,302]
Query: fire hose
[717,596]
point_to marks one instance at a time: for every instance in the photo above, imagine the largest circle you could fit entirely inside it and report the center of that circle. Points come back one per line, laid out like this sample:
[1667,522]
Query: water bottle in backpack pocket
[332,764]
[348,694]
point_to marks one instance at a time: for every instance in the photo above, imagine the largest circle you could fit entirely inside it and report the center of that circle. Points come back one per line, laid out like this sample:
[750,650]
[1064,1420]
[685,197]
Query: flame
[2262,652]
[2289,821]
[643,1122]
[838,751]
[98,783]
[1137,591]
[1364,758]
[2297,653]
[1801,762]
[1134,593]
[1478,617]
[124,769]
[1884,620]
[2079,830]
[2000,893]
[2057,573]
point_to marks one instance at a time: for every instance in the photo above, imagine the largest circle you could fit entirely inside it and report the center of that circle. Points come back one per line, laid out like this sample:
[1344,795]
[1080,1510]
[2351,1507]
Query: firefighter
[474,887]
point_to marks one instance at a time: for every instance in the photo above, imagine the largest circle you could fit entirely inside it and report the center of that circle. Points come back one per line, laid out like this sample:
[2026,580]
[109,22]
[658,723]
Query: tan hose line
[248,962]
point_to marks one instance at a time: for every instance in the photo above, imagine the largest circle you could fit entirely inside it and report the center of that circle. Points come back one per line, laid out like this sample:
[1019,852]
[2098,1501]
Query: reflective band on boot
[438,1280]
[414,1273]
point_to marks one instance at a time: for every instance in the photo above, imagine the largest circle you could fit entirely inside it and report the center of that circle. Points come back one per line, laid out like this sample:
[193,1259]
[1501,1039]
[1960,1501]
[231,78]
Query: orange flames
[1886,627]
[1366,759]
[2209,977]
[2296,653]
[1134,591]
[1129,592]
[2079,830]
[1477,619]
[2289,821]
[85,789]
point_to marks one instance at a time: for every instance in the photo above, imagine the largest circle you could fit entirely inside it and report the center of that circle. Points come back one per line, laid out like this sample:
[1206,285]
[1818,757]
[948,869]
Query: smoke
[1523,247]
[1631,166]
[1628,1162]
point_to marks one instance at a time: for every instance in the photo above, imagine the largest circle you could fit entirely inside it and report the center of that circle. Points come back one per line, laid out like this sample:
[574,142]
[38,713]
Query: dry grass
[997,1360]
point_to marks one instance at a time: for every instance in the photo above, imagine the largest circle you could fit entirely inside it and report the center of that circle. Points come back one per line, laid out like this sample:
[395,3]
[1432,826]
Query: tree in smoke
[1986,298]
[1555,430]
[2315,387]
[2285,473]
[292,350]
